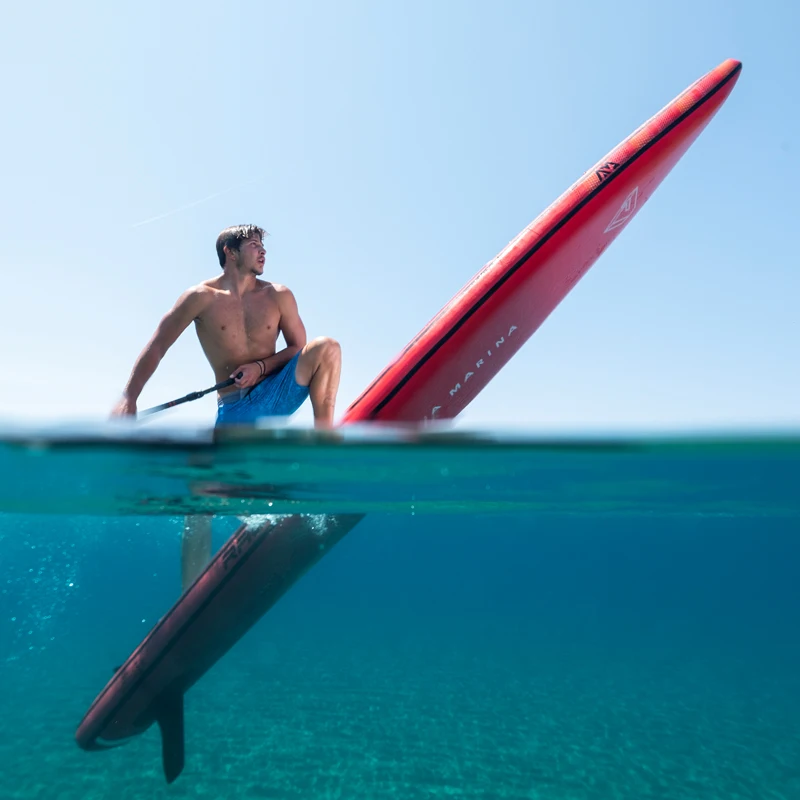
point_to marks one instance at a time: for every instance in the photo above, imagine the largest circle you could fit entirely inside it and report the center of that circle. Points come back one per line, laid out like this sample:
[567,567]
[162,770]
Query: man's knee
[329,349]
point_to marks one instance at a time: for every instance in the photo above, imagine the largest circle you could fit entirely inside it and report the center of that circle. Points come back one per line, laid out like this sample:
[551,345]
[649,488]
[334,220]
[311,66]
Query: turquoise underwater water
[515,617]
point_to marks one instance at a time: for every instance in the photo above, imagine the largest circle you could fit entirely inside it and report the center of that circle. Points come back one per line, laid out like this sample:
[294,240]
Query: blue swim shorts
[278,395]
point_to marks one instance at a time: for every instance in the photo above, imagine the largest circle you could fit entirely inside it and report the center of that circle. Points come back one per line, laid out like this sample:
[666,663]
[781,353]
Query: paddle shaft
[189,397]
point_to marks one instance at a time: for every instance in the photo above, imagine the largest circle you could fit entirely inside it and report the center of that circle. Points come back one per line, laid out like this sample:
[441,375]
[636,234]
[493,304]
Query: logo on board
[478,364]
[606,170]
[626,211]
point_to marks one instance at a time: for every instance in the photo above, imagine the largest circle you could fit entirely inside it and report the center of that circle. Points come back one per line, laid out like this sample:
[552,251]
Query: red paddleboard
[456,355]
[441,370]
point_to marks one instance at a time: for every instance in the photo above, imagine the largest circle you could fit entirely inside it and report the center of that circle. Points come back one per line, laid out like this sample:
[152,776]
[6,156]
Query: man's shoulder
[266,285]
[204,292]
[197,297]
[280,289]
[207,287]
[276,292]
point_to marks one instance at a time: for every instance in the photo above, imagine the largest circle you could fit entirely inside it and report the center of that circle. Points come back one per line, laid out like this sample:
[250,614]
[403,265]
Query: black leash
[189,397]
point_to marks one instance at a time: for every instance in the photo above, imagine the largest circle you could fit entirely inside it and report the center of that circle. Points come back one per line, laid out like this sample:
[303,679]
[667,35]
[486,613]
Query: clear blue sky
[391,149]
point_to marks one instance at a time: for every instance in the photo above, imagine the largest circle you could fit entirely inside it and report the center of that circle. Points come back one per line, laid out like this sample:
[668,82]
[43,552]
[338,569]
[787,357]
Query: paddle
[189,397]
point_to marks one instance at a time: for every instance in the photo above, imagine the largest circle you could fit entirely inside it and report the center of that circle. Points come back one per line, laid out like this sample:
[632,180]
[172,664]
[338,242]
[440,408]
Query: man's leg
[319,367]
[195,547]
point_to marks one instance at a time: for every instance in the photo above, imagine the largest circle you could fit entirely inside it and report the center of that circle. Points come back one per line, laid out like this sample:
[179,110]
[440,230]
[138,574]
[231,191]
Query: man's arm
[172,325]
[292,328]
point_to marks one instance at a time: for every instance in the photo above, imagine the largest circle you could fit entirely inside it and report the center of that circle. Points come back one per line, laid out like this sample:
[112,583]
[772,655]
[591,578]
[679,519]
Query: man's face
[251,256]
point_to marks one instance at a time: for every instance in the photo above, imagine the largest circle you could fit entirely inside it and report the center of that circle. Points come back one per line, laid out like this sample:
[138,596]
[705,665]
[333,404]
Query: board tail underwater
[435,377]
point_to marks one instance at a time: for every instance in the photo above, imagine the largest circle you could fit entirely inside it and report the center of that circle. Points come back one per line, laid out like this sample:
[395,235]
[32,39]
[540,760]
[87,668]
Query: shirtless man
[238,318]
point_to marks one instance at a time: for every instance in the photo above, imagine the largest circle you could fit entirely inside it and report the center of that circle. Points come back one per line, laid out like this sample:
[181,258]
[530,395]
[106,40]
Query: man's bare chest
[252,318]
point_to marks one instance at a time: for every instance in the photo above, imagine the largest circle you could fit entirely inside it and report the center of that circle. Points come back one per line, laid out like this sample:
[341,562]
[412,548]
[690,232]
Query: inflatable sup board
[435,377]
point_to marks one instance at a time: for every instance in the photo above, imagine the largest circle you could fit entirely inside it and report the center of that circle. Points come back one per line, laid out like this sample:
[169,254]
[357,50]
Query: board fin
[169,716]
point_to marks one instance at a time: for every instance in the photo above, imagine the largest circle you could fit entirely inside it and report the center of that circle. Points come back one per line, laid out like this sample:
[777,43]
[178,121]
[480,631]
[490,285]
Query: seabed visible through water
[517,616]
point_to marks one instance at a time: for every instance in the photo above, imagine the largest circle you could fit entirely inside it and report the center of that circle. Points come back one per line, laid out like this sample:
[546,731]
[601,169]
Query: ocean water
[559,618]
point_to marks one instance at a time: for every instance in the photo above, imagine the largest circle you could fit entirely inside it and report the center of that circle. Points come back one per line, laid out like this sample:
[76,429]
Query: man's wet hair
[233,237]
